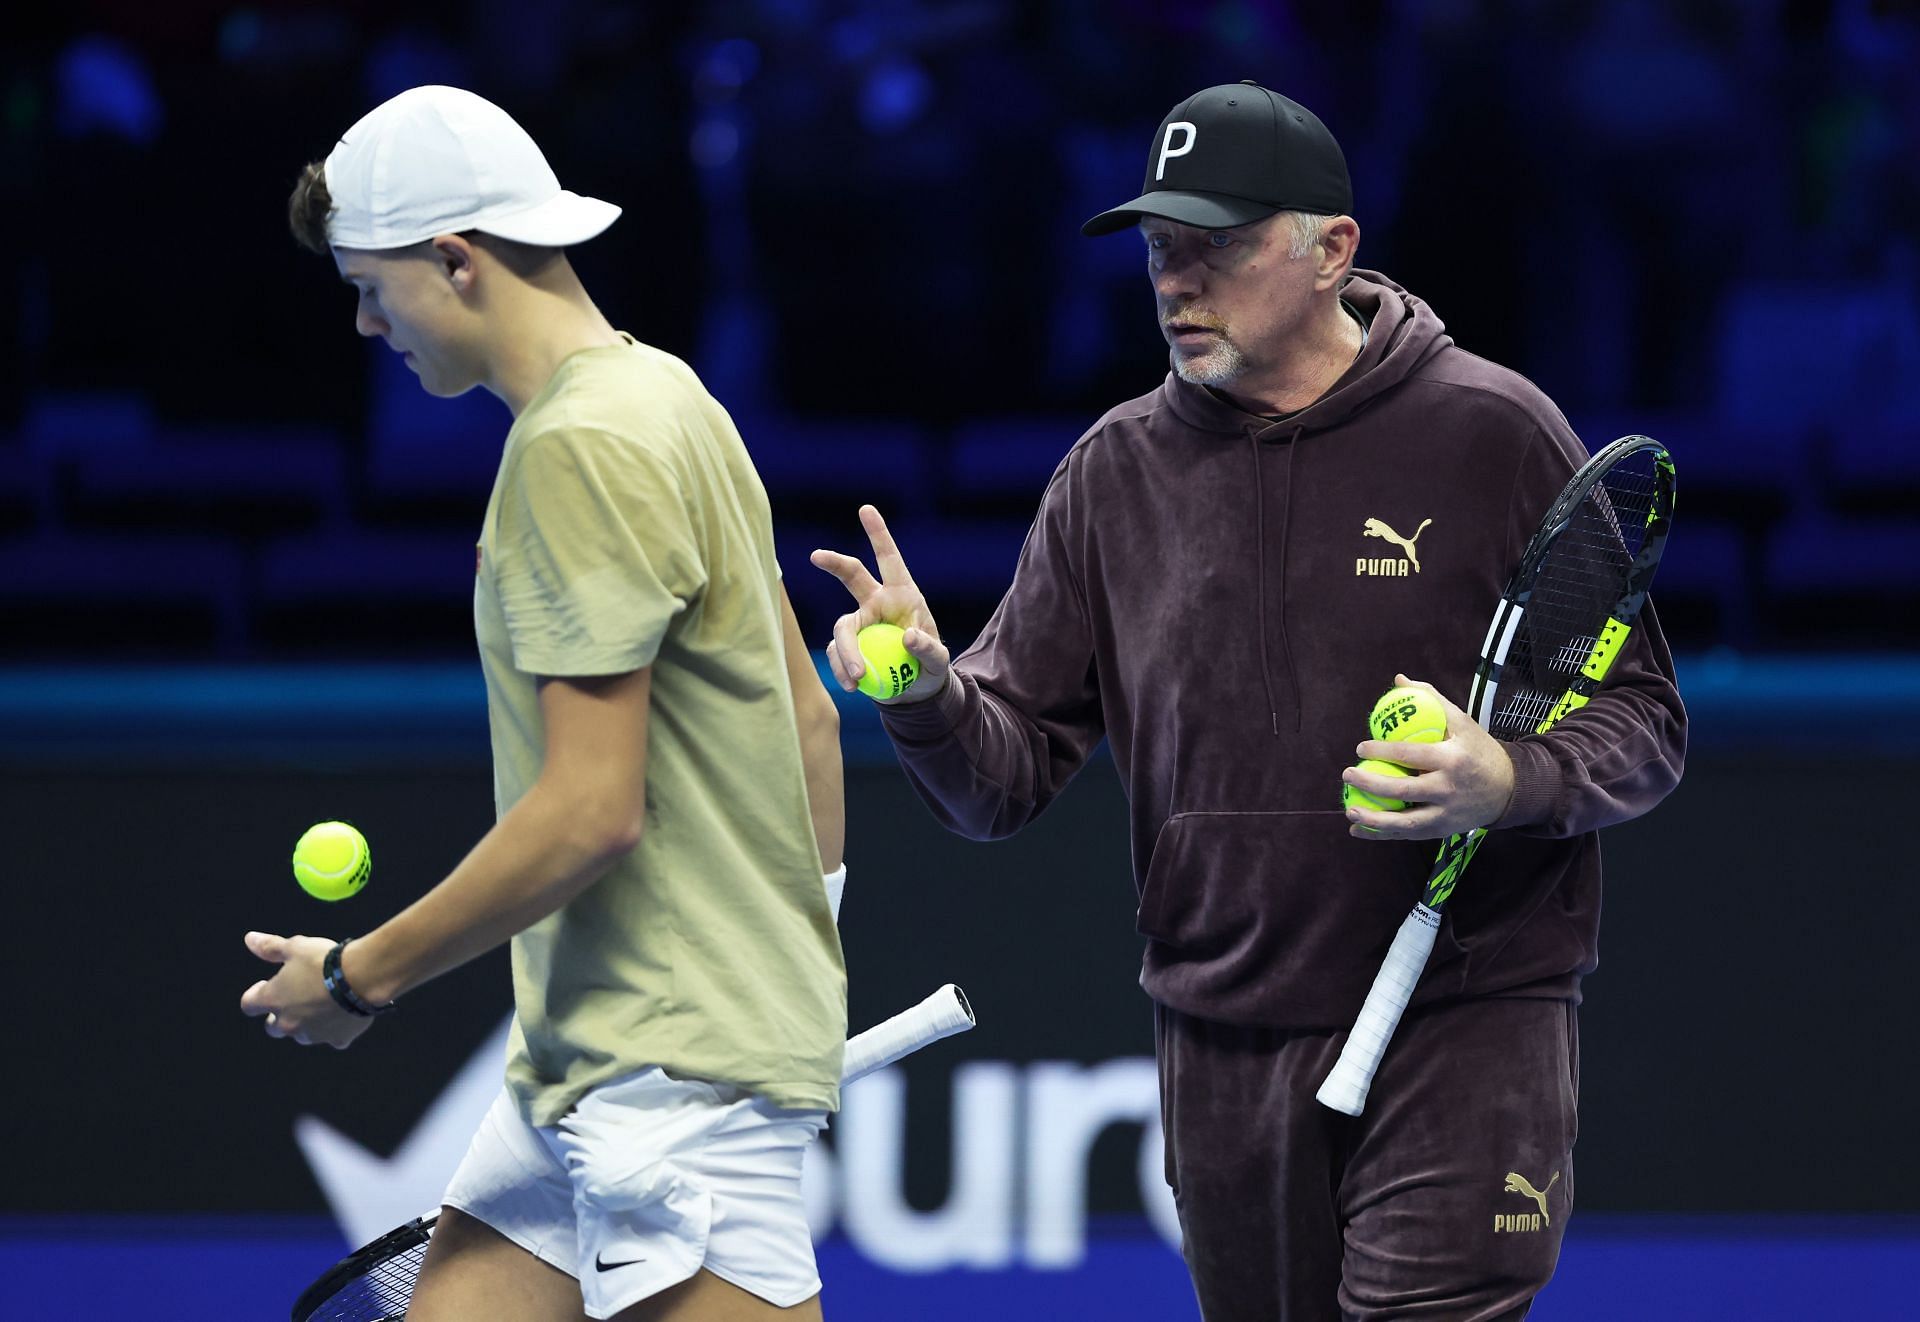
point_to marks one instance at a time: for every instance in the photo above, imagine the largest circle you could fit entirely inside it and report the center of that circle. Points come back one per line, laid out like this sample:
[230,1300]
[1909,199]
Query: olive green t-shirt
[628,528]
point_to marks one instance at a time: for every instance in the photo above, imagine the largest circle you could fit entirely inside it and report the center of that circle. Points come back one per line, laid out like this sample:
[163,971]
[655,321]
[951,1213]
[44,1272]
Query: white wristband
[836,882]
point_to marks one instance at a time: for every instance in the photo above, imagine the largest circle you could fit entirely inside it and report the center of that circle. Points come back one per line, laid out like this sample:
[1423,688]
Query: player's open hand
[1462,782]
[890,599]
[294,1001]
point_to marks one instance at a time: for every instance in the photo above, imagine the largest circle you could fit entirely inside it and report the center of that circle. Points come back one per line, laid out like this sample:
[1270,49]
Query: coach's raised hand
[891,599]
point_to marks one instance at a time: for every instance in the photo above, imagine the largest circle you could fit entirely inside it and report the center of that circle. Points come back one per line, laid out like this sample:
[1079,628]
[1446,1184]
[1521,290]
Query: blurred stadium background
[234,596]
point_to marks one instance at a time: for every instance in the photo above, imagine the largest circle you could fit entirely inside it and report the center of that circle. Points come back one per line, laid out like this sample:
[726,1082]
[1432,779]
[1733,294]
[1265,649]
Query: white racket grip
[1346,1087]
[942,1014]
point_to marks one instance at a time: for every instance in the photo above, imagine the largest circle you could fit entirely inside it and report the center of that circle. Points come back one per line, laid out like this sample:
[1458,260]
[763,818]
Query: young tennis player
[666,771]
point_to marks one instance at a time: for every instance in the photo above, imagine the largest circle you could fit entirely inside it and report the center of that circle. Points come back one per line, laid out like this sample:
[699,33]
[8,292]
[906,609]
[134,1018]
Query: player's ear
[454,255]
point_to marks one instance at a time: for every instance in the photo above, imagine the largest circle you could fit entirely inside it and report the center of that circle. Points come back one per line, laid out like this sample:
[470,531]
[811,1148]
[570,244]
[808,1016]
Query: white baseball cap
[439,160]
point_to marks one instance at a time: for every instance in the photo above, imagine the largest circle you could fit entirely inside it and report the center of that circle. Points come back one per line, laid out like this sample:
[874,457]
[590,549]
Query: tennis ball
[332,861]
[1352,796]
[890,667]
[1408,715]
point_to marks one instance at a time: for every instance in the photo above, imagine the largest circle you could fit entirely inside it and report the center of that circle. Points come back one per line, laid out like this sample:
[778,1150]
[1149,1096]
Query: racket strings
[381,1293]
[1580,580]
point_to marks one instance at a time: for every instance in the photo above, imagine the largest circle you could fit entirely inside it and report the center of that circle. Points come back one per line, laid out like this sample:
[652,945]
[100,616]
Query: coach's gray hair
[1307,228]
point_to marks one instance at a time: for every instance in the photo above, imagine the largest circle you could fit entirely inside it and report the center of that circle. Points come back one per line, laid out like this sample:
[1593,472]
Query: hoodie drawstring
[1260,533]
[1286,531]
[1286,634]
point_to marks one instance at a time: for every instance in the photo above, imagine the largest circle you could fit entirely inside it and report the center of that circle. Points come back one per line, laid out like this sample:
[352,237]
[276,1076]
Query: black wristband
[344,996]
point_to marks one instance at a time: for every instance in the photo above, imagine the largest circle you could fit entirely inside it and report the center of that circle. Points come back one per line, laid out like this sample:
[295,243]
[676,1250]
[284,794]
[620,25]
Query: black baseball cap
[1231,155]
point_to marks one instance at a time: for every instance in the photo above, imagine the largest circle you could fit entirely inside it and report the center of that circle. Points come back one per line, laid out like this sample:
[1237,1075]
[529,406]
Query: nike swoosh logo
[600,1264]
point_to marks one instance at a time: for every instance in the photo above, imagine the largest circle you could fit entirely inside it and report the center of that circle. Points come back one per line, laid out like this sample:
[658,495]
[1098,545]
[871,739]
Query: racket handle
[1346,1087]
[942,1014]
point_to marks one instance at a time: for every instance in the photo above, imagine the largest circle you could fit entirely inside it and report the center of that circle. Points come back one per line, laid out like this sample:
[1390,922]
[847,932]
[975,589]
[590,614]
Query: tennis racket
[375,1283]
[1565,614]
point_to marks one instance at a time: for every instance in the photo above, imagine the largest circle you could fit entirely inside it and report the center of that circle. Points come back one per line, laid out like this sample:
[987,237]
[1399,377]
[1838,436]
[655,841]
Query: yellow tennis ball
[890,666]
[1352,796]
[1408,715]
[332,861]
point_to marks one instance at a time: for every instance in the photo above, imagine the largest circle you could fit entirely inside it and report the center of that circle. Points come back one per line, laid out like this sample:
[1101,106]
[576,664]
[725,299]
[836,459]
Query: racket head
[373,1283]
[1581,582]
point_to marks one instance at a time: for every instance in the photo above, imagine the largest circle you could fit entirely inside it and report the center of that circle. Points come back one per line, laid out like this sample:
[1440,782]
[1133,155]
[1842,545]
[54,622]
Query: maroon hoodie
[1217,594]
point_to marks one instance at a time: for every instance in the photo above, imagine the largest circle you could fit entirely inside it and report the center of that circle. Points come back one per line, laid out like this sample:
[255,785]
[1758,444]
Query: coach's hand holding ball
[1402,715]
[1454,775]
[887,647]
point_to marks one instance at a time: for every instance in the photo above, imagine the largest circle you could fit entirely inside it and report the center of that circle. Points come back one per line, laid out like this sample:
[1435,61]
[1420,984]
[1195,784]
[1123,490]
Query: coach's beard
[1219,364]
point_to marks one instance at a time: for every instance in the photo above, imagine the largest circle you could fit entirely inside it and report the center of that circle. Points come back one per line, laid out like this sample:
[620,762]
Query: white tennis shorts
[649,1179]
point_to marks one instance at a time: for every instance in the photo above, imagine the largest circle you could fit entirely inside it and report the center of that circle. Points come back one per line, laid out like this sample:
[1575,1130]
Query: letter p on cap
[1168,151]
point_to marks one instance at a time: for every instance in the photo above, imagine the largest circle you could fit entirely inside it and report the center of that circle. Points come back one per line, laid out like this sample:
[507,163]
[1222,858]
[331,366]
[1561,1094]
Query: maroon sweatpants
[1446,1199]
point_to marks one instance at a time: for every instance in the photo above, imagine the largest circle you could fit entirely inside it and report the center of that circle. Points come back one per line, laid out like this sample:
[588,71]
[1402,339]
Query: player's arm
[819,722]
[585,811]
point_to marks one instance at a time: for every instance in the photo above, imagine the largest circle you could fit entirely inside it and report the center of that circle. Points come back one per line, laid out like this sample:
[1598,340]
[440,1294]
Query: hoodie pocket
[1279,918]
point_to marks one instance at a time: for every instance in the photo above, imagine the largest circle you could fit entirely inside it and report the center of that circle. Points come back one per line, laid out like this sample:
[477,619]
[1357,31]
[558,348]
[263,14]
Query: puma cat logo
[1389,566]
[1517,1183]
